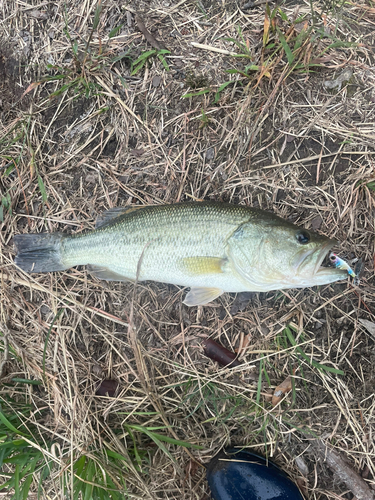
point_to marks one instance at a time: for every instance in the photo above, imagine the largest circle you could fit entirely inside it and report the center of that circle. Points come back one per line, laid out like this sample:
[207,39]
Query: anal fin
[200,296]
[104,273]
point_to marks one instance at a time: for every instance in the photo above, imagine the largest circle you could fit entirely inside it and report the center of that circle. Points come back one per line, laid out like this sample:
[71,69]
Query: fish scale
[166,234]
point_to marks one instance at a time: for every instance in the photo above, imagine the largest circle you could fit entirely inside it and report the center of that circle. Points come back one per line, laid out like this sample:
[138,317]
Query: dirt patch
[11,69]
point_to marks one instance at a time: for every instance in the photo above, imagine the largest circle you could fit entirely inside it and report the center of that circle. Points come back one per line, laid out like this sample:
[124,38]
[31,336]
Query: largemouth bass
[211,247]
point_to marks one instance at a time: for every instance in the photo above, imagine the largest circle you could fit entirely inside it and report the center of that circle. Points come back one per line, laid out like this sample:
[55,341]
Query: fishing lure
[336,261]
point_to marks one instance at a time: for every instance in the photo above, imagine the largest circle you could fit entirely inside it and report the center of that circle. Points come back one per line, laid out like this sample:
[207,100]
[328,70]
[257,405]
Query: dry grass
[283,143]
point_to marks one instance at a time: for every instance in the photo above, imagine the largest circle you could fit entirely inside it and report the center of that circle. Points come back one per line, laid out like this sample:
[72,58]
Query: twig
[149,37]
[344,472]
[212,49]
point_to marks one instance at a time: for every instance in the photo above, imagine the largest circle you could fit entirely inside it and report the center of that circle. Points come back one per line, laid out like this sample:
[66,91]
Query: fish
[339,263]
[211,247]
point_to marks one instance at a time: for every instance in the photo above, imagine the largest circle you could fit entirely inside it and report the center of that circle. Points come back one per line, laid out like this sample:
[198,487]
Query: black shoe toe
[242,475]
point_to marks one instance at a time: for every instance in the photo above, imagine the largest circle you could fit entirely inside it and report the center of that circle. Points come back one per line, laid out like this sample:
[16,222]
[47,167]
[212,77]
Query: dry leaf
[245,343]
[31,87]
[302,466]
[263,72]
[137,152]
[191,469]
[107,388]
[282,390]
[369,325]
[38,14]
[266,28]
[156,81]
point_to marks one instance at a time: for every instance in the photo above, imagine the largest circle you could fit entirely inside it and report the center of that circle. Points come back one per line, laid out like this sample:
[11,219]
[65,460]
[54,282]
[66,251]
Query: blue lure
[341,264]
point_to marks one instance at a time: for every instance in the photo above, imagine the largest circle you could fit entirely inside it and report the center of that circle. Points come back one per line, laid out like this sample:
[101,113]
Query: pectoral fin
[201,296]
[104,273]
[197,266]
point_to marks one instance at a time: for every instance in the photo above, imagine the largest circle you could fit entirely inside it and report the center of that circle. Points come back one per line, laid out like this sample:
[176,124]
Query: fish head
[275,254]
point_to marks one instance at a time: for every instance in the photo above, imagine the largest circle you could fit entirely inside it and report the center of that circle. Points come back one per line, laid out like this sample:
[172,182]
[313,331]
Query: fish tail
[39,253]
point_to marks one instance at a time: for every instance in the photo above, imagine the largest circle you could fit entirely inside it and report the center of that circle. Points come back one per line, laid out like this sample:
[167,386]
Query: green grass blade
[144,56]
[259,388]
[221,88]
[308,358]
[237,72]
[160,445]
[79,465]
[194,94]
[114,31]
[42,189]
[161,437]
[46,471]
[225,84]
[121,56]
[301,37]
[164,62]
[336,45]
[98,11]
[177,442]
[251,67]
[138,67]
[288,52]
[26,381]
[90,472]
[283,16]
[239,45]
[11,427]
[12,444]
[135,447]
[75,47]
[28,480]
[17,482]
[115,455]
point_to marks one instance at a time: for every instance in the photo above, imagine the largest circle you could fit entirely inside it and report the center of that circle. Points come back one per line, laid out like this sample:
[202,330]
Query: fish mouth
[303,263]
[322,254]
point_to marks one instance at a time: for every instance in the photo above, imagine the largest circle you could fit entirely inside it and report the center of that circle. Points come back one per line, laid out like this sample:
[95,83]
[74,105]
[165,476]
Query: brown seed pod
[218,353]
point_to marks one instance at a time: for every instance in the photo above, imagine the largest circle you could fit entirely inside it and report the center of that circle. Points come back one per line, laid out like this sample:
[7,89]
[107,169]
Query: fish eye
[303,237]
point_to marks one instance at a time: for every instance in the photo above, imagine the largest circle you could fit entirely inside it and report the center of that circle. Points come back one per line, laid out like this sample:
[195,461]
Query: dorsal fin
[104,273]
[110,215]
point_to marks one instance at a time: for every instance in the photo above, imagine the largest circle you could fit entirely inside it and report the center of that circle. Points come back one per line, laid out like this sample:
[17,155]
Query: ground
[82,131]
